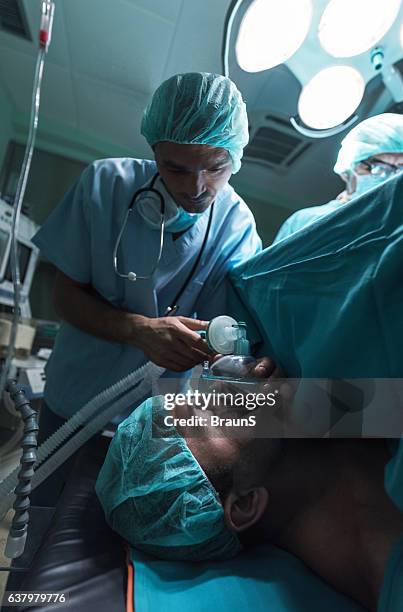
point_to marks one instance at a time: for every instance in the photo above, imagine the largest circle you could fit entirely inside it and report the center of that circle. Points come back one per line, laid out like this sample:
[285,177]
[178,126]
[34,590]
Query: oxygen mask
[228,337]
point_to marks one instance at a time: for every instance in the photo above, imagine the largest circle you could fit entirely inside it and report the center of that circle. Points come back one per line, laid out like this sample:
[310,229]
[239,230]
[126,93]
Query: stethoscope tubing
[132,276]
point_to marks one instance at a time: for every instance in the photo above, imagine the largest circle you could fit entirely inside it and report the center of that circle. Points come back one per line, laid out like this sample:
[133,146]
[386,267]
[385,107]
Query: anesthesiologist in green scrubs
[370,154]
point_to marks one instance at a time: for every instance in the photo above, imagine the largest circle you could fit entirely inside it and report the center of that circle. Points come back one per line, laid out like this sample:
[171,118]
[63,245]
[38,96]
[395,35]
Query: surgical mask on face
[177,219]
[365,182]
[183,221]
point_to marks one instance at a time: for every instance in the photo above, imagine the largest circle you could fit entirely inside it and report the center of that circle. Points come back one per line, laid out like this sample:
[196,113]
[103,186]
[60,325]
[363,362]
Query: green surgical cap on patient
[198,108]
[376,135]
[155,494]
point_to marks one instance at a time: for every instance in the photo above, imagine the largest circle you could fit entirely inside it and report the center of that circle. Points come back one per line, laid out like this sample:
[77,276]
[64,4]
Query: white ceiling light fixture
[331,97]
[271,32]
[348,28]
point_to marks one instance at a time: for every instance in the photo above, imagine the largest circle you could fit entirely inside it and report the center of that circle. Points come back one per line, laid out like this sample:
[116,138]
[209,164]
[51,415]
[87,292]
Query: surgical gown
[327,299]
[305,217]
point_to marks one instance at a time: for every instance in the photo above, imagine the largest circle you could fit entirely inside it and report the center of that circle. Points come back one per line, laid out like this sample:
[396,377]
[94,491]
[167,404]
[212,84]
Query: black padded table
[79,554]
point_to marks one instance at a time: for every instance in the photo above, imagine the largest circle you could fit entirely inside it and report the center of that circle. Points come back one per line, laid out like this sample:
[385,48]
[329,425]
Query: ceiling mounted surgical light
[348,28]
[271,32]
[330,97]
[308,37]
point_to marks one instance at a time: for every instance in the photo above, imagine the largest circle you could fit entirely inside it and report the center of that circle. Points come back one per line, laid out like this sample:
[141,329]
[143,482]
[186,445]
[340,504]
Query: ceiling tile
[117,42]
[165,9]
[110,114]
[198,38]
[57,100]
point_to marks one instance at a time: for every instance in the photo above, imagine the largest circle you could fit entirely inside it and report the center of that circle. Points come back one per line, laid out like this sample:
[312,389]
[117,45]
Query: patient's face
[227,453]
[208,444]
[229,462]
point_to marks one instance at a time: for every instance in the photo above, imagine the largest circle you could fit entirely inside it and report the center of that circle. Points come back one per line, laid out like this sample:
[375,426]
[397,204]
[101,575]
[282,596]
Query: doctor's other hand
[171,342]
[266,367]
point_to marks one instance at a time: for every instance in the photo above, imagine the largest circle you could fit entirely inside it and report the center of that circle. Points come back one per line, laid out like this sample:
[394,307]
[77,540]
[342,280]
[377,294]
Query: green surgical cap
[155,494]
[198,108]
[376,135]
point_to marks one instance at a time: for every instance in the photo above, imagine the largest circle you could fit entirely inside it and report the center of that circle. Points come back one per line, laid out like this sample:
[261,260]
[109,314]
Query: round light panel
[351,27]
[268,36]
[331,96]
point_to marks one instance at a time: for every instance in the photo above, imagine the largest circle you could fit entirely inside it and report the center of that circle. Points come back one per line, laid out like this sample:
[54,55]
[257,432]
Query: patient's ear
[244,509]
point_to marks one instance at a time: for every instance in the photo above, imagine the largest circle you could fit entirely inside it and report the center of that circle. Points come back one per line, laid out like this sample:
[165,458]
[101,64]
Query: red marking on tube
[43,38]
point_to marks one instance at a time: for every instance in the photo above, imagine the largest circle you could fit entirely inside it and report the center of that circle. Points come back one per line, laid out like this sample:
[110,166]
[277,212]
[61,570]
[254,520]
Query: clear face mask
[228,337]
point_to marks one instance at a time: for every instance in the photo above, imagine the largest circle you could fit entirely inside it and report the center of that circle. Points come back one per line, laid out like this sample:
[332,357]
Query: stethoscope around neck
[133,276]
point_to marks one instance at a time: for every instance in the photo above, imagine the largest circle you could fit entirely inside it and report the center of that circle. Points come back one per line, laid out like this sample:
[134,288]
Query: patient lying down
[185,497]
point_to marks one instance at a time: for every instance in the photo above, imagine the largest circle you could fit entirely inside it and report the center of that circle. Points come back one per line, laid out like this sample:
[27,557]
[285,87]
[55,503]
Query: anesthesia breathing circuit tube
[122,394]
